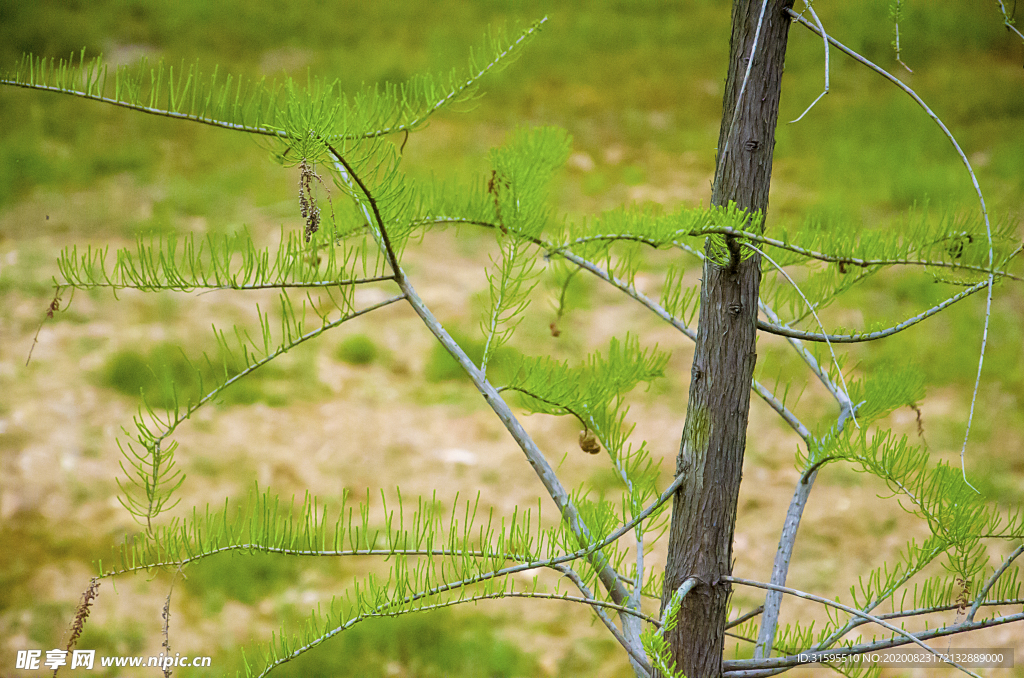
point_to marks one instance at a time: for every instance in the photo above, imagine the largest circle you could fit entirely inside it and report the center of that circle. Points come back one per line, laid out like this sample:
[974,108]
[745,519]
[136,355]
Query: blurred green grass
[646,76]
[600,70]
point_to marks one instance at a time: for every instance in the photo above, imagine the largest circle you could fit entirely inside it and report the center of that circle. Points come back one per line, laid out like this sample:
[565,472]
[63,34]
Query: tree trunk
[714,437]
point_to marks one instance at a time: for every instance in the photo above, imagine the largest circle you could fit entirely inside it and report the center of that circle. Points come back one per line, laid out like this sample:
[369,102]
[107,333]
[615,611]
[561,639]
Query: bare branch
[780,568]
[786,331]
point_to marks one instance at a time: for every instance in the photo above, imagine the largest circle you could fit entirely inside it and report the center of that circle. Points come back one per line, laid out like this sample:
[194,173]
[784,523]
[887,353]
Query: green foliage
[522,171]
[163,263]
[887,389]
[956,514]
[437,561]
[357,349]
[654,642]
[264,526]
[259,107]
[589,391]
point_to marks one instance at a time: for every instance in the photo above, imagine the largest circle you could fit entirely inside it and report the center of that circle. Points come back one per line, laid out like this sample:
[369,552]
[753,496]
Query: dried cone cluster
[588,442]
[307,201]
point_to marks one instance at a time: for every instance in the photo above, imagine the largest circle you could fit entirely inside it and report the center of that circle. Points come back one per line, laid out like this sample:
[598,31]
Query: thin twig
[51,309]
[1008,21]
[896,13]
[744,617]
[817,21]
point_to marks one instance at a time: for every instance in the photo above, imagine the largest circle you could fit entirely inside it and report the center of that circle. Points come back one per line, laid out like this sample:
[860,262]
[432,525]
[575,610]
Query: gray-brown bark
[714,437]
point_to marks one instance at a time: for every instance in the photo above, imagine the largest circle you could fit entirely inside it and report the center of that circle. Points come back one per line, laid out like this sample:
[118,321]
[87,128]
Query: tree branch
[831,603]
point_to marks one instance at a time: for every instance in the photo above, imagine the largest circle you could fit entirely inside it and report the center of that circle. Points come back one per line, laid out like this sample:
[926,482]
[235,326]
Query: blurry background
[374,404]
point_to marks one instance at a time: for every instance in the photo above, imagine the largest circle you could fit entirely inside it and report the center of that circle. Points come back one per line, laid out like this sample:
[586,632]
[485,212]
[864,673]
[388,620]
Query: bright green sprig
[886,389]
[165,263]
[510,286]
[151,478]
[554,387]
[955,513]
[522,170]
[521,175]
[259,107]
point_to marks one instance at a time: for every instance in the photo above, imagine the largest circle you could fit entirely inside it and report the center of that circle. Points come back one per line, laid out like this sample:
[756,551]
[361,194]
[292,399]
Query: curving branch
[1008,20]
[783,330]
[808,7]
[981,200]
[94,78]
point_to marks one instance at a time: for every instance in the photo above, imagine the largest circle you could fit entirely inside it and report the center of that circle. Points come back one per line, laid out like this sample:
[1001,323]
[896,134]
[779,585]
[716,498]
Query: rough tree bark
[714,437]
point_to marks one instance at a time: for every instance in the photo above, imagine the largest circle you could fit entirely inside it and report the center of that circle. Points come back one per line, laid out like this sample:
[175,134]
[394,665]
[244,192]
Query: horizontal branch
[852,261]
[760,668]
[316,284]
[152,110]
[910,638]
[780,244]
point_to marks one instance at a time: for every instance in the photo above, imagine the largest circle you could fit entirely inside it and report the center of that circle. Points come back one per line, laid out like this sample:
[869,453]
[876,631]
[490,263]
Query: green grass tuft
[162,377]
[441,366]
[357,349]
[165,375]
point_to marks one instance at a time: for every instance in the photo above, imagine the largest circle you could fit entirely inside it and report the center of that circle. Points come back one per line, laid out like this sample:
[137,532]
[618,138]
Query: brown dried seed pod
[588,442]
